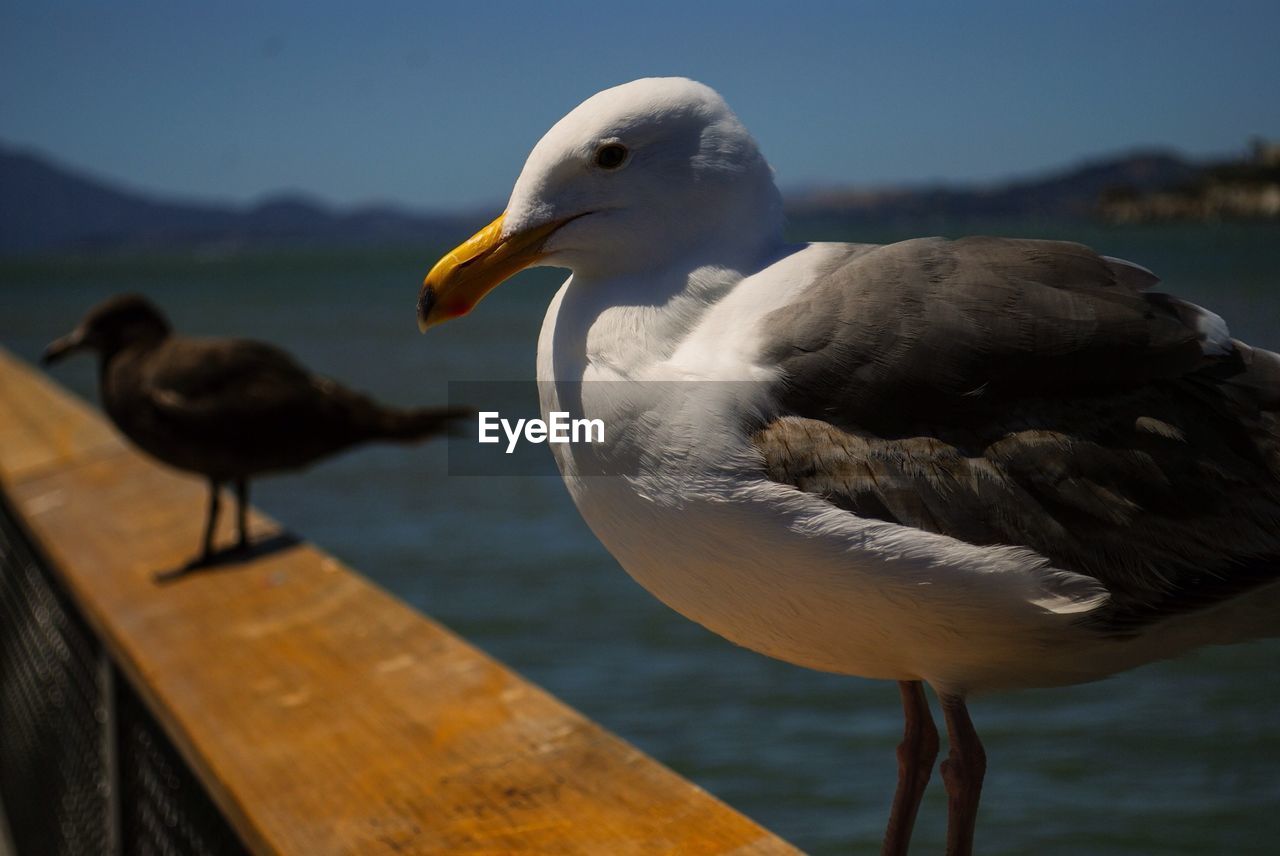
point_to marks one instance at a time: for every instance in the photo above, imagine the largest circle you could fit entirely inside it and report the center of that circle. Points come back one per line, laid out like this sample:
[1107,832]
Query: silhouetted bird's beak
[59,348]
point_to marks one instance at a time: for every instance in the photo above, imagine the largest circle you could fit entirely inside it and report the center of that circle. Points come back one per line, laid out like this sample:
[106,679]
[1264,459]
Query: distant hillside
[1239,189]
[44,206]
[1067,194]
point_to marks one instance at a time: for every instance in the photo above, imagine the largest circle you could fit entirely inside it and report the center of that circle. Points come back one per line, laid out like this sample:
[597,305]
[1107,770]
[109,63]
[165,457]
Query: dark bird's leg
[211,523]
[916,754]
[242,513]
[962,773]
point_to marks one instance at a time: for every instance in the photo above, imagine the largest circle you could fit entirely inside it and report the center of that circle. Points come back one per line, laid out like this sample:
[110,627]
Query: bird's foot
[206,559]
[209,559]
[241,553]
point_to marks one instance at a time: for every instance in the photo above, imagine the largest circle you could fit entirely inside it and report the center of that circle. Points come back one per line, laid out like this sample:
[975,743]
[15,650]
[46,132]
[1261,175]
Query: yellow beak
[480,264]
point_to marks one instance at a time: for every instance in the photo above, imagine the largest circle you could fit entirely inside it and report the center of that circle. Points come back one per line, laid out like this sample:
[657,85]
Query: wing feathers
[1032,393]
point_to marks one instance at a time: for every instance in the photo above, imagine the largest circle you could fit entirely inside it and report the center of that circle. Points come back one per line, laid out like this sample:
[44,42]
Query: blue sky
[436,105]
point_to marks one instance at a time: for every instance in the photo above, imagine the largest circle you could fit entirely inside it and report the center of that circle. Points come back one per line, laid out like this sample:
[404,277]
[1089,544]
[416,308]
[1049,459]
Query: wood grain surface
[322,714]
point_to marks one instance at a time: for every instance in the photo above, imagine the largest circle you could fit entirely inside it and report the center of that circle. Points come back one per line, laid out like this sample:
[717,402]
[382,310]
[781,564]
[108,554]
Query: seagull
[977,464]
[227,409]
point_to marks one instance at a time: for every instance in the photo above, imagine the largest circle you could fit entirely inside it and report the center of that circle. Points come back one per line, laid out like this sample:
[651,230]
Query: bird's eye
[611,155]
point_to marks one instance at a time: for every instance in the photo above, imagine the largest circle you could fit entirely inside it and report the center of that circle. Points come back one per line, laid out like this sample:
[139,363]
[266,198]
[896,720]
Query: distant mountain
[44,207]
[1072,193]
[47,207]
[1238,189]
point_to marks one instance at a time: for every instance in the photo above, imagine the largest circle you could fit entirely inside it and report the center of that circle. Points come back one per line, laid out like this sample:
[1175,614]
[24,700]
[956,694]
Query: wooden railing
[318,713]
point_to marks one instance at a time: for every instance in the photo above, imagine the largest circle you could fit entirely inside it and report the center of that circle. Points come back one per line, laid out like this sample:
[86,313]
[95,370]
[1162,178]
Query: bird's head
[633,178]
[115,323]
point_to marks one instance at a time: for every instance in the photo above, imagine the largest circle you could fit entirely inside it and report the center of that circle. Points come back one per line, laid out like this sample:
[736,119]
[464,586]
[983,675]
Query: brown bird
[228,409]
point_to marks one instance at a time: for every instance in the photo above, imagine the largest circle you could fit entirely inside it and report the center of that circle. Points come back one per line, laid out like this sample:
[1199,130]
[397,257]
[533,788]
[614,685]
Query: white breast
[784,573]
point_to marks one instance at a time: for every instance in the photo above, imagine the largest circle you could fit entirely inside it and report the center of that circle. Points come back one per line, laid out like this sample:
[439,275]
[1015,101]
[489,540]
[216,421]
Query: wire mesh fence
[84,767]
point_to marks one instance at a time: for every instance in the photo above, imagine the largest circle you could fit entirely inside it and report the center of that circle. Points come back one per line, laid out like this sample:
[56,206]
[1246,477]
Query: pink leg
[962,773]
[916,754]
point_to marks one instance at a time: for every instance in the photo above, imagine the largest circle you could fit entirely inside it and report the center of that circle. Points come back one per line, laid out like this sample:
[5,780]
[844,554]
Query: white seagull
[979,464]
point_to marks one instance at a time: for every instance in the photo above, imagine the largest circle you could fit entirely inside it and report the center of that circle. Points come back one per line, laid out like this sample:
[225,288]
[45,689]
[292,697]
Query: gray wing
[1031,393]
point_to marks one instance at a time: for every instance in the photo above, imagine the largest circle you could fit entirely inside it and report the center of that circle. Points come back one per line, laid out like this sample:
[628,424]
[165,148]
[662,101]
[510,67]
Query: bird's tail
[419,423]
